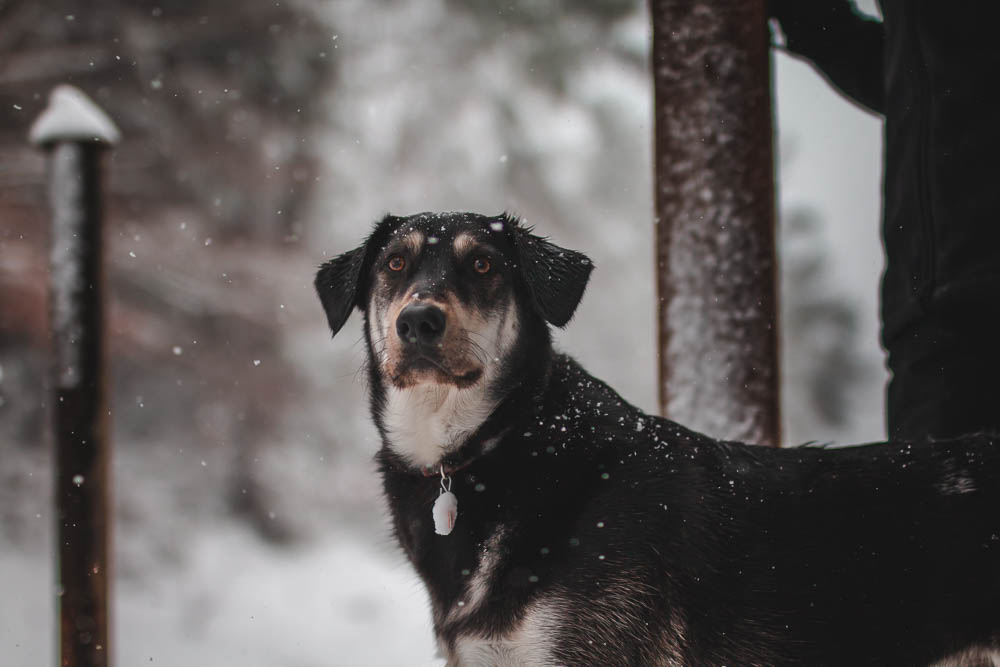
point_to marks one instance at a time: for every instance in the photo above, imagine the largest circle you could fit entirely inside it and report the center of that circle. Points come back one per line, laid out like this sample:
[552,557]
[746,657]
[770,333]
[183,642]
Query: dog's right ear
[342,283]
[337,284]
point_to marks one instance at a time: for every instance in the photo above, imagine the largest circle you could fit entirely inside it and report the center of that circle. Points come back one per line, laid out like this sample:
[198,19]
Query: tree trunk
[714,196]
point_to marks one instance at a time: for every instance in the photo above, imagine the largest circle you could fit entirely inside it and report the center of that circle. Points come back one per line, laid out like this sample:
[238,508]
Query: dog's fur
[590,533]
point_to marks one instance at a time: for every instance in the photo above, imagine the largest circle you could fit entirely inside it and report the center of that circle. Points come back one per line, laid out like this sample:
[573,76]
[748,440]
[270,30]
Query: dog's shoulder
[582,411]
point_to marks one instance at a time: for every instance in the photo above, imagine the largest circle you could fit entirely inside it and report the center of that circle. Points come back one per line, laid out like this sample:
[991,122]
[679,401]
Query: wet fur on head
[428,407]
[556,277]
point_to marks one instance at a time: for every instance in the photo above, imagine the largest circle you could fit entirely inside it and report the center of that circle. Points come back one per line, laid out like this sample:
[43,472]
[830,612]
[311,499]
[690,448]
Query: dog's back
[622,538]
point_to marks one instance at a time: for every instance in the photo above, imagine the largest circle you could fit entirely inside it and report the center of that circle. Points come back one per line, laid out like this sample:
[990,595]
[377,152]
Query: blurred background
[261,138]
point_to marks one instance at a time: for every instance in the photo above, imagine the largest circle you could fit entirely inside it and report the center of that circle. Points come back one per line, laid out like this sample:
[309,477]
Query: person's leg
[946,373]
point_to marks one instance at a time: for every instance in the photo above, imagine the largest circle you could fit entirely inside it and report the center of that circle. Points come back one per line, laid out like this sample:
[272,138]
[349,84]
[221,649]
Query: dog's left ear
[337,283]
[556,276]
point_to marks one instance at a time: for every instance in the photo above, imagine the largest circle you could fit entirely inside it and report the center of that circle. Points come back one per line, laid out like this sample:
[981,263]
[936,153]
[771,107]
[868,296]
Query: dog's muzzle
[421,325]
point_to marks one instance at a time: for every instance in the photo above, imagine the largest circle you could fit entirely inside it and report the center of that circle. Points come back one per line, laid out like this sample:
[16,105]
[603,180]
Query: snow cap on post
[72,116]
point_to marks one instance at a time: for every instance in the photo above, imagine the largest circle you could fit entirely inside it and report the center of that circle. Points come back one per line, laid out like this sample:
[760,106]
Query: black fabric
[938,64]
[944,381]
[845,46]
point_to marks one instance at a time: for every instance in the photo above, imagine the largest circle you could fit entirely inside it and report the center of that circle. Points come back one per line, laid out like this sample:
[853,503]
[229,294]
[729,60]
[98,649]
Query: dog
[553,523]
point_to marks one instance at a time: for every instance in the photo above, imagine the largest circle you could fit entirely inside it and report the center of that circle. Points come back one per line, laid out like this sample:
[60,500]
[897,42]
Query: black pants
[946,371]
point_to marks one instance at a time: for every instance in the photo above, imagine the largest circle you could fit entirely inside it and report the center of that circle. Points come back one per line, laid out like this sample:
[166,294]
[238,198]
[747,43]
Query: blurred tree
[215,102]
[561,30]
[210,101]
[823,358]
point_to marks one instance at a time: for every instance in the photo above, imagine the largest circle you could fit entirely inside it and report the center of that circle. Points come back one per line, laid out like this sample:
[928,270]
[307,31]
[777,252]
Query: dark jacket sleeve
[844,46]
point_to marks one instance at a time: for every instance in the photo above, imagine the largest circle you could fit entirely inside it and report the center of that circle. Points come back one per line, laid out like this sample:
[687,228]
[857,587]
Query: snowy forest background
[261,138]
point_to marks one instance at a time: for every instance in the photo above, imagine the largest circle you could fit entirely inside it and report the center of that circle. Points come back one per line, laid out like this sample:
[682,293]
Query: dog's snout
[421,323]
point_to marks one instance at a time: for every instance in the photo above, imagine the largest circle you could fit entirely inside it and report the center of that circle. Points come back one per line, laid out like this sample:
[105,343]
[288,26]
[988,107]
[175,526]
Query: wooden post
[75,134]
[714,193]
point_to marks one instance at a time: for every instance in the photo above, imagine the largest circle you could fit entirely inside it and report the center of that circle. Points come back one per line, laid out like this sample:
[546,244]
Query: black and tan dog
[590,533]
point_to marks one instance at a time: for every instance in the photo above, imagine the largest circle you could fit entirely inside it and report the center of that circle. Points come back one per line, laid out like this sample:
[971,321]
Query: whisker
[481,355]
[475,348]
[485,338]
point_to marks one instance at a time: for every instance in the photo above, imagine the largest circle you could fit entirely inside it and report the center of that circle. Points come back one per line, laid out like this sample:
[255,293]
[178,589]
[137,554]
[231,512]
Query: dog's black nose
[421,323]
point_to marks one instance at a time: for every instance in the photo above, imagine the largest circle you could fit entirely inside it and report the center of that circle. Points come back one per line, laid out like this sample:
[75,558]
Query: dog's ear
[556,276]
[342,282]
[337,284]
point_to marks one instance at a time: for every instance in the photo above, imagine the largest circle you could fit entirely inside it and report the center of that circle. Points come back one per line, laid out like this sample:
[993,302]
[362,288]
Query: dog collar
[443,468]
[446,466]
[445,508]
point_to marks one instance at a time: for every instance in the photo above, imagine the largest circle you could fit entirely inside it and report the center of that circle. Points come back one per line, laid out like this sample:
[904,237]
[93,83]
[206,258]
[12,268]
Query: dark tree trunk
[714,196]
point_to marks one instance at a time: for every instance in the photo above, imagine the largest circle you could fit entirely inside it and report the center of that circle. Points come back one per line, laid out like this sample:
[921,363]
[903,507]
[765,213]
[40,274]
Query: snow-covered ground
[423,117]
[346,600]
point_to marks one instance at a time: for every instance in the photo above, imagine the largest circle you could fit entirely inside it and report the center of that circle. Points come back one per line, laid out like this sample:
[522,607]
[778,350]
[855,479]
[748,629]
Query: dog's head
[447,299]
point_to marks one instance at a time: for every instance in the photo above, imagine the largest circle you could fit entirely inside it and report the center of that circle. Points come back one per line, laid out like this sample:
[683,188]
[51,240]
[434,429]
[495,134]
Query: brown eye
[396,263]
[481,265]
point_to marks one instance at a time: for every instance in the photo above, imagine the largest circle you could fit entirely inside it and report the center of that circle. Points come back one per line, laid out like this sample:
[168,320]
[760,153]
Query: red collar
[451,468]
[447,468]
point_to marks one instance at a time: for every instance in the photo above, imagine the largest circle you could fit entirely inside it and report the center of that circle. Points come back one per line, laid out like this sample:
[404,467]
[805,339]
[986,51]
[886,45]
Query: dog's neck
[425,424]
[427,428]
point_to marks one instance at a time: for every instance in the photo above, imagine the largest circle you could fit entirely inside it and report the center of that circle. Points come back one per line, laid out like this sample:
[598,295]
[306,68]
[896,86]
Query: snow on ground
[27,622]
[342,601]
[346,600]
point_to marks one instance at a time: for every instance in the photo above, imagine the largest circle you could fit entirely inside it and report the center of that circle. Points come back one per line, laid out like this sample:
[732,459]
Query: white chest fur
[427,421]
[528,644]
[474,652]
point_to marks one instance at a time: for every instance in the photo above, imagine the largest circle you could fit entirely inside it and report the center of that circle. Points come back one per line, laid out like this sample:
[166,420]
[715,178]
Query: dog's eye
[396,263]
[481,265]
